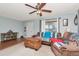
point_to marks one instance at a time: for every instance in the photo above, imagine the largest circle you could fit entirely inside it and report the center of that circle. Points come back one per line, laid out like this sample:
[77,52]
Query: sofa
[33,42]
[70,47]
[65,50]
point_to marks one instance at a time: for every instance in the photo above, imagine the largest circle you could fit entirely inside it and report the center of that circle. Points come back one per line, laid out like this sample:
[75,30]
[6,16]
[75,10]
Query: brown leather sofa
[33,42]
[68,50]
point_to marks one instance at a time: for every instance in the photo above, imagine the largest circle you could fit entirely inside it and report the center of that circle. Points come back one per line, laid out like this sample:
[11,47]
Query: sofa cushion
[59,44]
[66,35]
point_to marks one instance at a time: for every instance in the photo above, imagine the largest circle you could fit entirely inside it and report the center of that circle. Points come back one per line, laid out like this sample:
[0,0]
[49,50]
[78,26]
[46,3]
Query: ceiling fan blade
[32,12]
[47,11]
[30,6]
[41,5]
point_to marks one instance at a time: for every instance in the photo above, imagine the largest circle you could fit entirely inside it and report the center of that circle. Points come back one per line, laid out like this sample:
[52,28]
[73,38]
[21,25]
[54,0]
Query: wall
[32,27]
[71,27]
[78,21]
[7,24]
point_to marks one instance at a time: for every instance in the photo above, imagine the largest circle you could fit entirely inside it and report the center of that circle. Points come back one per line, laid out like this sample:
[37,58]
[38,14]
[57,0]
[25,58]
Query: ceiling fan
[38,8]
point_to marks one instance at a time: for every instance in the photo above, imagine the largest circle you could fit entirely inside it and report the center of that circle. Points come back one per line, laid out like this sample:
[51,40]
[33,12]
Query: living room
[15,18]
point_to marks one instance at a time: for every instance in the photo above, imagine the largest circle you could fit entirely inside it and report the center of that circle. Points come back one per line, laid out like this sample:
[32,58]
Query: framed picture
[65,22]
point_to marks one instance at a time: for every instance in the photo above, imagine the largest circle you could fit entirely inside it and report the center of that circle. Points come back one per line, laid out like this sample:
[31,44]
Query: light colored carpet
[20,50]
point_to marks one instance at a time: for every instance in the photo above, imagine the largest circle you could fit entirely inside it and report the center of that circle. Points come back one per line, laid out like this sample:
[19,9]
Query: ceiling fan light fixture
[38,12]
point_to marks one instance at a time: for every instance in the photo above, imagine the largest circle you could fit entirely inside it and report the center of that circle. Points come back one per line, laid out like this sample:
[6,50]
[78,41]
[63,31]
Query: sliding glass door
[48,27]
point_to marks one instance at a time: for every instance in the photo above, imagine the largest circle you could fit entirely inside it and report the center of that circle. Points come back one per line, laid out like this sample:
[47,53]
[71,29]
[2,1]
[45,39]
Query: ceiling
[19,11]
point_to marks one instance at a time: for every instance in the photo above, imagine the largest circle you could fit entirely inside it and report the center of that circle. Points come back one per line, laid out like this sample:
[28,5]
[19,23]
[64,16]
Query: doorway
[49,26]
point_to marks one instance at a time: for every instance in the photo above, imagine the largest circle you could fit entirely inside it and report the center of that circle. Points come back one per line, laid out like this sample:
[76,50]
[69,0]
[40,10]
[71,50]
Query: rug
[20,50]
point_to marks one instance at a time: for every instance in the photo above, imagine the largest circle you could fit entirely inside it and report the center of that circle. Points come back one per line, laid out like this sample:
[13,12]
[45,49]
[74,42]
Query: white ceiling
[19,11]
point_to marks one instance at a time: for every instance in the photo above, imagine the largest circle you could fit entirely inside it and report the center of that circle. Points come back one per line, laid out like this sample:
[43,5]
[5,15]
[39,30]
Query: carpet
[20,50]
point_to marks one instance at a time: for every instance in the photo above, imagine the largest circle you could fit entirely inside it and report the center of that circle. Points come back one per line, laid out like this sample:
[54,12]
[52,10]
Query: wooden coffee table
[33,42]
